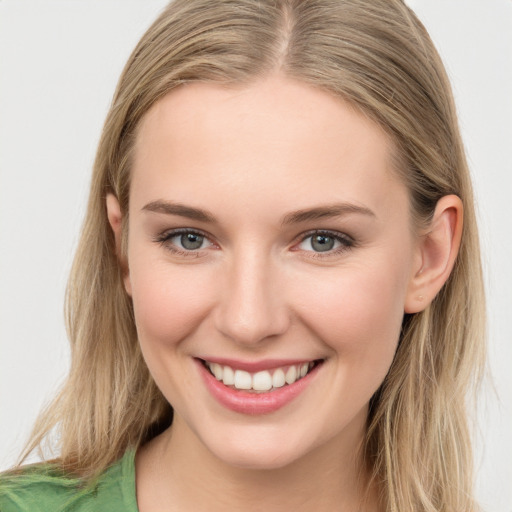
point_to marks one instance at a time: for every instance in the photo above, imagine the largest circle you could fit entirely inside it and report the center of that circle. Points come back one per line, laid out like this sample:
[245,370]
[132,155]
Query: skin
[258,289]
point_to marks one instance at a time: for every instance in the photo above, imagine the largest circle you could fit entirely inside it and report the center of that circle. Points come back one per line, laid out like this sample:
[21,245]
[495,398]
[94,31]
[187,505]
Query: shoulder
[42,488]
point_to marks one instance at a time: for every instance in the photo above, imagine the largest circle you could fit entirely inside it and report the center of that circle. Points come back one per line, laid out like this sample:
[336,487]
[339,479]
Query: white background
[59,62]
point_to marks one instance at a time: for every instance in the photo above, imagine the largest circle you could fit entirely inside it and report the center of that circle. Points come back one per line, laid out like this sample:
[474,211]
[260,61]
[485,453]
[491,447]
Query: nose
[252,306]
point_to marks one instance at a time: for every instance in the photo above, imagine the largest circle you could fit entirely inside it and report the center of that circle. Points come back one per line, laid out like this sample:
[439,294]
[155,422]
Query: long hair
[377,56]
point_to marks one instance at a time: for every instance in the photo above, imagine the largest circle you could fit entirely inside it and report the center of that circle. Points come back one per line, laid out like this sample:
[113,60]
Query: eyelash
[165,238]
[345,241]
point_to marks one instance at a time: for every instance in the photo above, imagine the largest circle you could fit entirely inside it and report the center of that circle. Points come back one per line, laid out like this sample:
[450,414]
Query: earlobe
[437,251]
[115,219]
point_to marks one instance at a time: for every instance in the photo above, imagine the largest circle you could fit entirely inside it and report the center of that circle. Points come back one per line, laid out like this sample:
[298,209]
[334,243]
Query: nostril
[252,307]
[250,328]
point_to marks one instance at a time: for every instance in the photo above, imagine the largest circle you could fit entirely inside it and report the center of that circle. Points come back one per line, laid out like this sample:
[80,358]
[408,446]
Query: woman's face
[268,236]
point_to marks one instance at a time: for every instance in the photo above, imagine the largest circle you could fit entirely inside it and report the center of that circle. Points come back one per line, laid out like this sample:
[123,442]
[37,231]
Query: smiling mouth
[261,381]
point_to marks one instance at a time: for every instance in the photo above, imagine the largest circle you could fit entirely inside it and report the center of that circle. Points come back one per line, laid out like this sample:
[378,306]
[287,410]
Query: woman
[277,298]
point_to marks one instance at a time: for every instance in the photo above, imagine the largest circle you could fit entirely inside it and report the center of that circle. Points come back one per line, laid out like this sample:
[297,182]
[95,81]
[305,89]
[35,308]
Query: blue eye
[324,242]
[189,241]
[184,240]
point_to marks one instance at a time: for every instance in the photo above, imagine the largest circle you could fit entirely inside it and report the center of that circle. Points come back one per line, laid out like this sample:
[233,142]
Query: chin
[259,452]
[258,460]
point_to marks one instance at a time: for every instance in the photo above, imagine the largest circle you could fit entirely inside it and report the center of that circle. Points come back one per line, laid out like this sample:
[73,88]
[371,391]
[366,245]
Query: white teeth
[278,380]
[243,380]
[261,381]
[217,370]
[229,376]
[291,375]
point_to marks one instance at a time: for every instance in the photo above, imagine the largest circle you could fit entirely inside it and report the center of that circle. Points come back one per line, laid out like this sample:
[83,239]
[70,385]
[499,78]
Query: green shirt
[42,488]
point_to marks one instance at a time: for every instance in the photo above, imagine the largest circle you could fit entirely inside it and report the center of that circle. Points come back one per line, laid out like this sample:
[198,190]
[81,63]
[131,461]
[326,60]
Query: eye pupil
[191,241]
[322,243]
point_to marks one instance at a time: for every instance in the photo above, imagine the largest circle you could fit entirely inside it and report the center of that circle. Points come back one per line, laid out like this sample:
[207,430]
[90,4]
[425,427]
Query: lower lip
[254,403]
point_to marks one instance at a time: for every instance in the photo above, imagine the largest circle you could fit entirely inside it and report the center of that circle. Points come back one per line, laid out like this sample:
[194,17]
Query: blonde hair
[378,56]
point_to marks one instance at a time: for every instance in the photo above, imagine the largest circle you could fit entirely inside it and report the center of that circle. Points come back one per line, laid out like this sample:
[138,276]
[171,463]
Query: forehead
[277,138]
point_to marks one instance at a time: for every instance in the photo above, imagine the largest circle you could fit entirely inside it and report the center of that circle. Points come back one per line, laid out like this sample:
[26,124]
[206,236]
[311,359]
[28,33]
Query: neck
[177,469]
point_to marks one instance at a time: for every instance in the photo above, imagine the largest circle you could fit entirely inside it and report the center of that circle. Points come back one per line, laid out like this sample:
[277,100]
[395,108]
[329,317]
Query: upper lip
[256,366]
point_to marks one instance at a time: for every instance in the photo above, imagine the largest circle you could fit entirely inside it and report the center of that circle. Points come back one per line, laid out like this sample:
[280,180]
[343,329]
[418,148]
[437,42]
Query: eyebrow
[172,208]
[326,212]
[308,214]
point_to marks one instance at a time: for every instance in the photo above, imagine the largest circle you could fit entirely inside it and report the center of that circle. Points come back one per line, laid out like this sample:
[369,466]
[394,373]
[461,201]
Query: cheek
[168,302]
[358,313]
[169,305]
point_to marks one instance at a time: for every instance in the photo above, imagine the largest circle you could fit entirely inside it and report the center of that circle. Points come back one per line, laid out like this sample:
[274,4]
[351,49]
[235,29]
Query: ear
[437,251]
[115,219]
